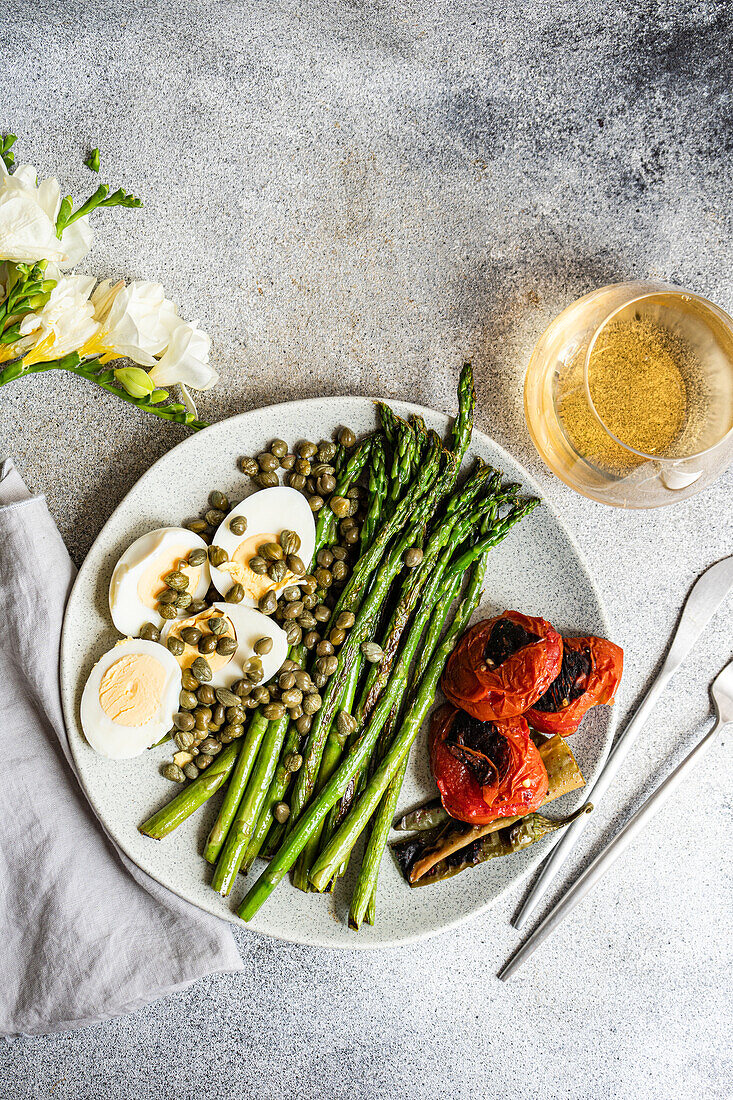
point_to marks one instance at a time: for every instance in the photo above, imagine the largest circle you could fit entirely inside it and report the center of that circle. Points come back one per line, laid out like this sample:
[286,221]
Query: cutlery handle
[618,754]
[585,883]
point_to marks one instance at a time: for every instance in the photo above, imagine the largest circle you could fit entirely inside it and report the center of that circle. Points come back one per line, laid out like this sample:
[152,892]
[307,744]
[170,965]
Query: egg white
[268,511]
[128,611]
[249,625]
[115,741]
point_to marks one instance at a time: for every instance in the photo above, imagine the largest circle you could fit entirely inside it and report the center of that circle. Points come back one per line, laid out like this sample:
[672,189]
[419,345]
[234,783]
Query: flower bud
[135,380]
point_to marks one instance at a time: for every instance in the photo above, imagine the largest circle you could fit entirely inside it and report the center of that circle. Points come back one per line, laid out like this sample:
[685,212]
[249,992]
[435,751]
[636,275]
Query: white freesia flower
[186,360]
[65,323]
[28,212]
[135,321]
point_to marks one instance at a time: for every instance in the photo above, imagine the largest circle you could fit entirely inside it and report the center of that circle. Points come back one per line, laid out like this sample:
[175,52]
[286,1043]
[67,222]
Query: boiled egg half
[130,698]
[246,626]
[139,576]
[267,513]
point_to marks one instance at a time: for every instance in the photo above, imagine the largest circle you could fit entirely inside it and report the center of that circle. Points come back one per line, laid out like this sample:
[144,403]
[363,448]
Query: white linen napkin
[85,934]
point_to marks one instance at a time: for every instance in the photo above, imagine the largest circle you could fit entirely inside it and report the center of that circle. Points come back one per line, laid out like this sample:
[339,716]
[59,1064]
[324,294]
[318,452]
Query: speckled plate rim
[69,671]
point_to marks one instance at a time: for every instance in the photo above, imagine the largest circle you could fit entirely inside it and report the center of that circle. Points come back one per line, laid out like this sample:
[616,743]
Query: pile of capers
[277,559]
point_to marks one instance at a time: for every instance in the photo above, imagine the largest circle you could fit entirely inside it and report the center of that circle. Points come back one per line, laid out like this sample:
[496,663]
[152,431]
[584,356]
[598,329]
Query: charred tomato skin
[601,684]
[512,687]
[518,789]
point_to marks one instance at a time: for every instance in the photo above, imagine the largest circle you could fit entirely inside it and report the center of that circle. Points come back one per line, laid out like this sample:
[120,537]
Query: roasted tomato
[590,674]
[485,770]
[502,666]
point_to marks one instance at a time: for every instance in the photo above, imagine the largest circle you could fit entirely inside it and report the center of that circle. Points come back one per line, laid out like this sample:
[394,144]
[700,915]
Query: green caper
[190,770]
[339,571]
[149,633]
[303,680]
[266,480]
[346,620]
[217,624]
[339,506]
[261,695]
[287,462]
[326,451]
[168,595]
[340,553]
[196,607]
[226,697]
[207,644]
[290,542]
[188,680]
[217,556]
[235,594]
[183,601]
[327,665]
[210,746]
[413,557]
[320,679]
[281,812]
[235,714]
[174,773]
[218,715]
[279,448]
[302,467]
[309,601]
[191,635]
[214,517]
[372,652]
[273,712]
[277,571]
[346,724]
[198,526]
[206,695]
[291,593]
[351,537]
[254,675]
[336,636]
[219,500]
[346,437]
[175,645]
[183,721]
[309,584]
[226,645]
[304,724]
[201,670]
[241,688]
[326,484]
[293,610]
[233,730]
[296,712]
[262,646]
[267,462]
[268,603]
[249,466]
[286,680]
[306,449]
[324,577]
[167,611]
[293,697]
[325,557]
[258,565]
[324,649]
[203,761]
[293,633]
[238,525]
[306,620]
[176,580]
[321,613]
[187,700]
[296,565]
[316,502]
[312,702]
[293,762]
[296,481]
[271,551]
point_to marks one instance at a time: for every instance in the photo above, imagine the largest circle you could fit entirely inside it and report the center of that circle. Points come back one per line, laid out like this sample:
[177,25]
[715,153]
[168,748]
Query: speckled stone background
[353,197]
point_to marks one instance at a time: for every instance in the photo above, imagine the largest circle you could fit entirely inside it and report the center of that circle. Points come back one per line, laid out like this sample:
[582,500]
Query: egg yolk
[191,652]
[151,582]
[255,585]
[131,689]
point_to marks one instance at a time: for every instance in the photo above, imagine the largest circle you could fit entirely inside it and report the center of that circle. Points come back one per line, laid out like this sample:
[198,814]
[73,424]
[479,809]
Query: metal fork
[722,696]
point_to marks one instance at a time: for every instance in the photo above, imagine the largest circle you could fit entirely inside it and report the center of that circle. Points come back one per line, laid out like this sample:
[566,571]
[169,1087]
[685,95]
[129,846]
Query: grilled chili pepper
[485,770]
[502,666]
[590,674]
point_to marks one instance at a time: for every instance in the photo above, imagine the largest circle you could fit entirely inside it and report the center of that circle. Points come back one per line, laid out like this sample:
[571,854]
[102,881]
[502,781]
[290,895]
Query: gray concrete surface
[353,197]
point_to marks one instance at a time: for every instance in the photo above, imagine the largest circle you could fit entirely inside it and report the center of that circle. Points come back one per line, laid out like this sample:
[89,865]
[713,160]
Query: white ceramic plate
[538,570]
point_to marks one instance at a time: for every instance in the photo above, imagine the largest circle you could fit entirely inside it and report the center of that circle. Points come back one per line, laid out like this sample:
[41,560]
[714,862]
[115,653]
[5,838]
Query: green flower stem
[91,370]
[191,797]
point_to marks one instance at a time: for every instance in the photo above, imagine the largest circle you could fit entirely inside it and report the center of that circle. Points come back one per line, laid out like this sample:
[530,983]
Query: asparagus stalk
[377,491]
[248,750]
[340,846]
[191,797]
